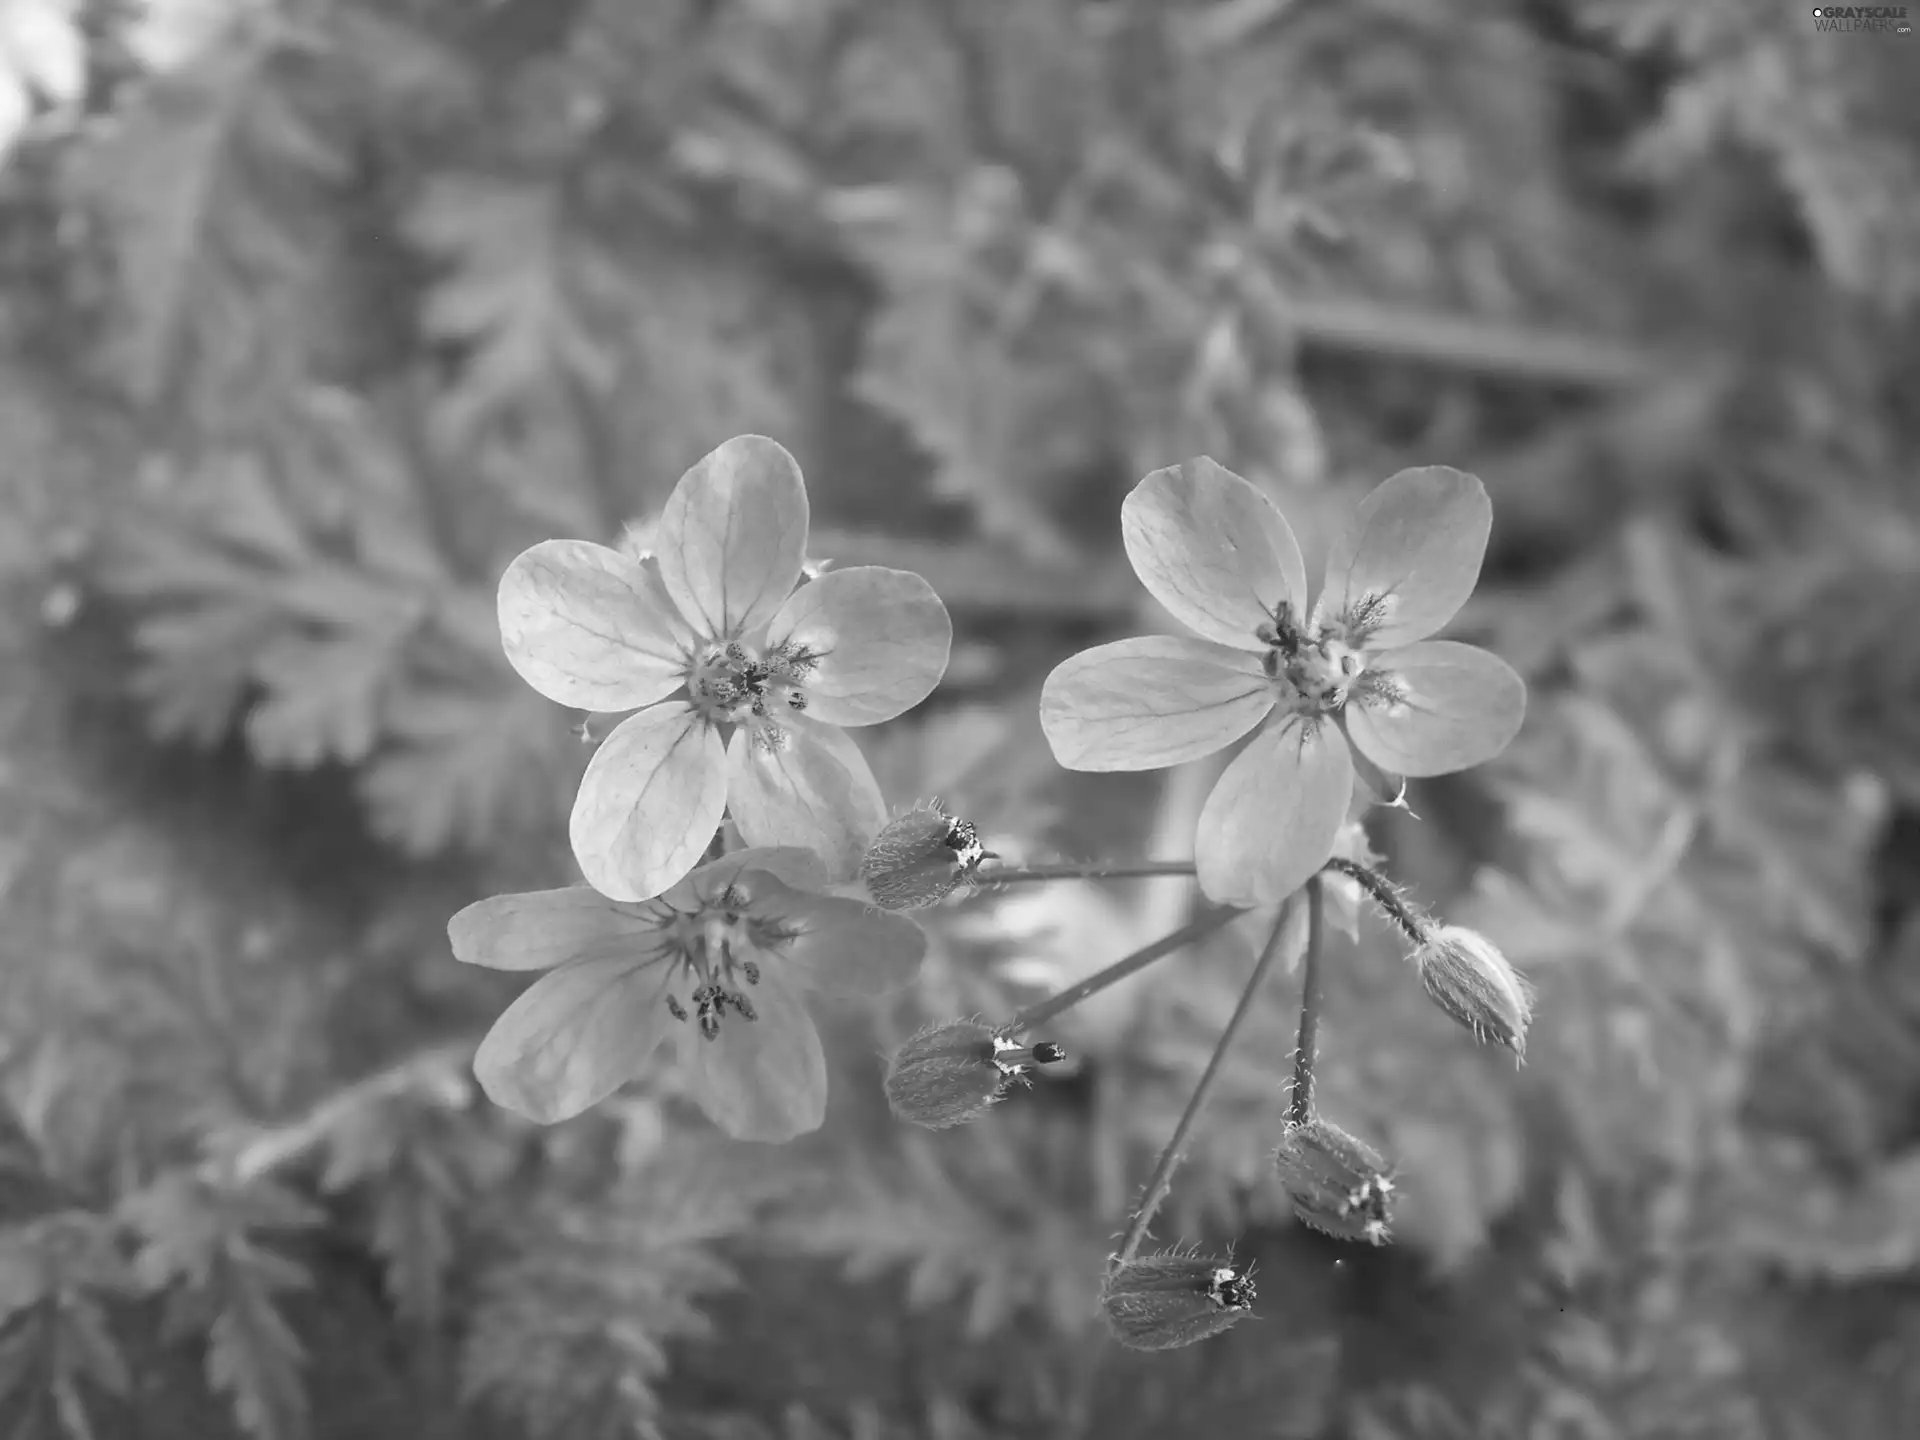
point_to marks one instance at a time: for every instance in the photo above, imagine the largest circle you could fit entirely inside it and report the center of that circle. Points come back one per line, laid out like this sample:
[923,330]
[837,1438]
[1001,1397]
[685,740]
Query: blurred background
[314,312]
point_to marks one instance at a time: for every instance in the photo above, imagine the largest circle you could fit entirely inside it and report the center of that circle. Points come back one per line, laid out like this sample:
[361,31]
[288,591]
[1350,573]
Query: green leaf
[525,293]
[197,1242]
[207,180]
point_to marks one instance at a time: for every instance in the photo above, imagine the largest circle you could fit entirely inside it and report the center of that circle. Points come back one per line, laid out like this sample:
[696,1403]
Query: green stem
[1384,893]
[1307,1045]
[1093,870]
[1046,1009]
[1162,1178]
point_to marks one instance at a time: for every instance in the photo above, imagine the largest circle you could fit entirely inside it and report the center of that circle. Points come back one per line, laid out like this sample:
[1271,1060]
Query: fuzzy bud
[949,1074]
[1474,983]
[1337,1184]
[921,858]
[1161,1302]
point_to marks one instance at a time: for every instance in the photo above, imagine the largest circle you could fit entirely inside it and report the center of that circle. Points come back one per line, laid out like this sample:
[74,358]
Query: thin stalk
[1045,1010]
[1384,893]
[1162,1178]
[1093,870]
[1306,1047]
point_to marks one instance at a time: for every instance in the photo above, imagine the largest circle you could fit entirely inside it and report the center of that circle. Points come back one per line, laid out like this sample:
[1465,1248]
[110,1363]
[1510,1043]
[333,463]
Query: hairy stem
[1162,1178]
[1384,893]
[1193,930]
[1307,1045]
[1092,870]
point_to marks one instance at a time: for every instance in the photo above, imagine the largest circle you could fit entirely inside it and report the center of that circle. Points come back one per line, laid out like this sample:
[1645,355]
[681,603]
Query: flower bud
[1161,1302]
[949,1074]
[1474,983]
[1337,1184]
[921,858]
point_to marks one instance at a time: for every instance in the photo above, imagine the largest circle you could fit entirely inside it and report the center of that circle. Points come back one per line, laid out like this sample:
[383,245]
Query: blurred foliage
[316,311]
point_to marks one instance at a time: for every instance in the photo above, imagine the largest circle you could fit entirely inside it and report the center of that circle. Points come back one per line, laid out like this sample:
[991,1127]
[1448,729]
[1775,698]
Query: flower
[949,1074]
[921,858]
[1338,1184]
[708,635]
[1353,667]
[723,956]
[1468,977]
[1164,1301]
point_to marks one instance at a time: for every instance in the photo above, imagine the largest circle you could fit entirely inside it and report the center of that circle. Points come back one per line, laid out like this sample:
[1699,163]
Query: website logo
[1863,19]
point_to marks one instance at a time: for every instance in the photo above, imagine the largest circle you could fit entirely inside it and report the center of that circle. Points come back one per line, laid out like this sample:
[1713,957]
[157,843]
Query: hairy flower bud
[1161,1302]
[1474,983]
[952,1073]
[921,858]
[1337,1184]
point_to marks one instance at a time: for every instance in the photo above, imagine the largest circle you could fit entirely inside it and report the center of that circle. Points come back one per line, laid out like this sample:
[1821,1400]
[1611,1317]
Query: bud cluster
[951,1073]
[1164,1301]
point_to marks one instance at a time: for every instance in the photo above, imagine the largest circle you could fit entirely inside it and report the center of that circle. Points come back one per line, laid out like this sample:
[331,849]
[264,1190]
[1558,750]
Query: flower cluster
[742,665]
[737,666]
[1322,675]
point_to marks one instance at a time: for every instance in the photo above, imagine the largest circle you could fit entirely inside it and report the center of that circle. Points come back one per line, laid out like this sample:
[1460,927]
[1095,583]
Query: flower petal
[1272,819]
[818,792]
[1213,550]
[788,864]
[573,1038]
[733,536]
[845,947]
[764,1079]
[1151,701]
[1459,707]
[650,800]
[1413,548]
[589,627]
[543,928]
[882,637]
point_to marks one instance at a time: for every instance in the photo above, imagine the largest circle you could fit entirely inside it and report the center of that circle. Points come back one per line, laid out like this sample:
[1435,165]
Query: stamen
[751,971]
[676,1009]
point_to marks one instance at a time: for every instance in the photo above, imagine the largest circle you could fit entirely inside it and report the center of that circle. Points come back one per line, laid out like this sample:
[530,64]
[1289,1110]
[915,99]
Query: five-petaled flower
[1354,665]
[722,958]
[710,635]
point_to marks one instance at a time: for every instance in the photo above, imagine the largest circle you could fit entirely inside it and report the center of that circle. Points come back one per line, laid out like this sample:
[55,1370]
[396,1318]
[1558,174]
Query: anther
[751,971]
[676,1009]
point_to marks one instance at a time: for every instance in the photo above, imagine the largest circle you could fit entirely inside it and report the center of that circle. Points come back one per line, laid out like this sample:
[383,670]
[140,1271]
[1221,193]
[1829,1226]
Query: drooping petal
[650,800]
[733,536]
[539,929]
[1151,701]
[844,947]
[1213,550]
[589,627]
[766,1078]
[816,791]
[1458,707]
[1272,819]
[574,1037]
[789,864]
[881,636]
[1410,556]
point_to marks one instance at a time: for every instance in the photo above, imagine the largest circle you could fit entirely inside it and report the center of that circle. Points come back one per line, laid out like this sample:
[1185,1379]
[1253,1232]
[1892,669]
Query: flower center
[732,685]
[1313,669]
[718,949]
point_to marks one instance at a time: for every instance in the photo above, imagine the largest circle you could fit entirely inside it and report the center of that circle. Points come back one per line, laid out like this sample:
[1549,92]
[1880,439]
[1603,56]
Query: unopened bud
[1474,983]
[952,1073]
[1161,1302]
[1337,1184]
[921,858]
